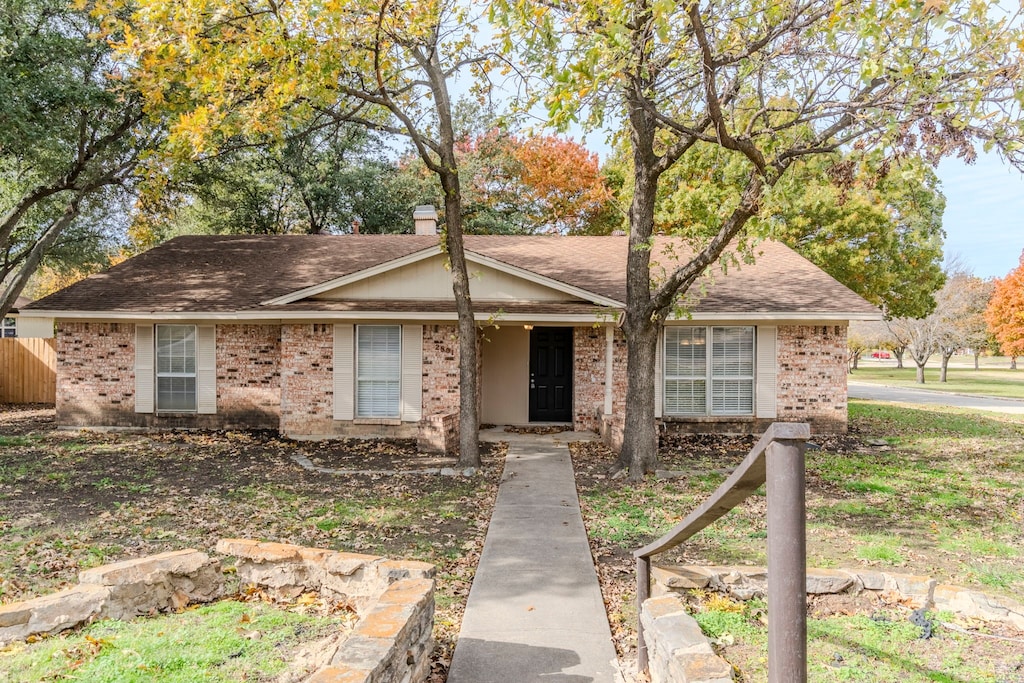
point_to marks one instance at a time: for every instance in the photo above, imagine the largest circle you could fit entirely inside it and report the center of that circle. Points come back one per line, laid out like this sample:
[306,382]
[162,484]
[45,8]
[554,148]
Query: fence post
[787,563]
[643,591]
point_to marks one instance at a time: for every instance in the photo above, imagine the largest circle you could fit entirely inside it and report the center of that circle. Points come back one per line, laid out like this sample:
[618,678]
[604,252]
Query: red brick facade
[281,377]
[307,379]
[587,376]
[590,346]
[440,369]
[96,374]
[96,378]
[811,376]
[248,375]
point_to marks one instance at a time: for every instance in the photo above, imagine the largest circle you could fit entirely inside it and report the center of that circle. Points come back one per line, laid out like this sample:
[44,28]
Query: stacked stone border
[394,600]
[678,652]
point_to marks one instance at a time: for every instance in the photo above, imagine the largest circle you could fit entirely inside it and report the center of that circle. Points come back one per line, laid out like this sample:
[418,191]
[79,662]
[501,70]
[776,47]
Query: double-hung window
[9,328]
[709,370]
[176,368]
[378,371]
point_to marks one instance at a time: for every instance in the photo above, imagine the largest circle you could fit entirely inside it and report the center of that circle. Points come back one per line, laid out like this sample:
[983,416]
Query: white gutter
[601,316]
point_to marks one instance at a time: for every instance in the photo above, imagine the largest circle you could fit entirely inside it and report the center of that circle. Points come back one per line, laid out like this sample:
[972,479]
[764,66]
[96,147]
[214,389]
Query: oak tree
[218,69]
[70,135]
[773,85]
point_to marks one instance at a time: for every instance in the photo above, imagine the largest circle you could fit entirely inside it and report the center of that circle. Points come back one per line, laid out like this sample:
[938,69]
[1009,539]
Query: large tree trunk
[854,359]
[977,354]
[898,352]
[639,452]
[448,171]
[1013,362]
[945,364]
[920,370]
[640,436]
[469,382]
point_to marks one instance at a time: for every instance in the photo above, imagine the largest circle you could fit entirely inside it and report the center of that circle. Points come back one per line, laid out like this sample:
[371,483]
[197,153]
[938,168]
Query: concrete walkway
[535,611]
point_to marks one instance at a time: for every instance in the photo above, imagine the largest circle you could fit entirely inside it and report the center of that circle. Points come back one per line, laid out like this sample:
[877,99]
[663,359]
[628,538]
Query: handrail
[787,564]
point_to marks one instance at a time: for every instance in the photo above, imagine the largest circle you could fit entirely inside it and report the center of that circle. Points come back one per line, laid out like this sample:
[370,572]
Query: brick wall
[307,379]
[96,374]
[248,375]
[589,347]
[96,378]
[440,369]
[812,376]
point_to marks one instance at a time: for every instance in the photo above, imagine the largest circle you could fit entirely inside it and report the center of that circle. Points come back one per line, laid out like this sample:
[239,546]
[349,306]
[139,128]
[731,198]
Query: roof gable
[424,276]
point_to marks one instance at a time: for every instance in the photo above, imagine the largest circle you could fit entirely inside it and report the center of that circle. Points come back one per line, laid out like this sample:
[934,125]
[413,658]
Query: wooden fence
[28,370]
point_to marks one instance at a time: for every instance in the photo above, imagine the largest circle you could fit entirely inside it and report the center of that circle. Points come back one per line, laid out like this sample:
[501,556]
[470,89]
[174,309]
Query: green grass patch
[17,441]
[869,486]
[225,641]
[987,382]
[884,646]
[879,548]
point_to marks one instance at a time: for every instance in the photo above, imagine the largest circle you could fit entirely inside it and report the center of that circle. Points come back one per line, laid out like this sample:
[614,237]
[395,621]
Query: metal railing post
[643,591]
[778,458]
[787,563]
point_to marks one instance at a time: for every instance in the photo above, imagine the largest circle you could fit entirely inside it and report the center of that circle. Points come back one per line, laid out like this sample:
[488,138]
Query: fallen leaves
[73,500]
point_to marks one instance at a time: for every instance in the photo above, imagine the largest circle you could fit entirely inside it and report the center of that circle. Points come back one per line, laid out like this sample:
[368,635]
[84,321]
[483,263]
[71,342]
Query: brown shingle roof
[227,273]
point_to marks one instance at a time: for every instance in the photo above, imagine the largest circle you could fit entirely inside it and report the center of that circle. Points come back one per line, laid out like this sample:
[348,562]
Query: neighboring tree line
[971,314]
[814,122]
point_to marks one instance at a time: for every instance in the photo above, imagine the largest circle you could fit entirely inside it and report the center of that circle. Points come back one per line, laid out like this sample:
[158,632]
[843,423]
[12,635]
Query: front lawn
[72,500]
[217,643]
[942,498]
[999,382]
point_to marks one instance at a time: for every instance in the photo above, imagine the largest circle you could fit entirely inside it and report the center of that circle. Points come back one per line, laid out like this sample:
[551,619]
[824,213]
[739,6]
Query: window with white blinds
[685,370]
[378,370]
[176,368]
[699,358]
[732,370]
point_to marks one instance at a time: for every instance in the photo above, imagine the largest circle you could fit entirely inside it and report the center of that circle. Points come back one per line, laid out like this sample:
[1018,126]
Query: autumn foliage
[542,183]
[1005,313]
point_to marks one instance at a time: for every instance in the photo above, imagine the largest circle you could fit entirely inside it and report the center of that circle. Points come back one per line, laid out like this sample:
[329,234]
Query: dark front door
[551,374]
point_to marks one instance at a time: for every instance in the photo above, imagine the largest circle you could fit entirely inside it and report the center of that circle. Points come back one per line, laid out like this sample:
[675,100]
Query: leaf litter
[70,500]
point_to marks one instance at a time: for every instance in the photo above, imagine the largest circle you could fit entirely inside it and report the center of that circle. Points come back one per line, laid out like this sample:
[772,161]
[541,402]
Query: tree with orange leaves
[1005,312]
[520,184]
[562,182]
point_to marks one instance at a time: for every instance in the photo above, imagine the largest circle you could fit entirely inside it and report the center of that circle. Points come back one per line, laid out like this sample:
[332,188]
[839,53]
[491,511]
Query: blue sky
[984,217]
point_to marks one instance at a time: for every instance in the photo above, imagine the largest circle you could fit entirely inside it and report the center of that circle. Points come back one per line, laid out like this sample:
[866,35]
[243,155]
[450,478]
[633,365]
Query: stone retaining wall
[678,652]
[395,601]
[122,590]
[390,643]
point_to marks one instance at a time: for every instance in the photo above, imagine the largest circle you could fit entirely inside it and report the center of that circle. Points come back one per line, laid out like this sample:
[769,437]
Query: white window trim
[709,377]
[357,378]
[9,324]
[157,374]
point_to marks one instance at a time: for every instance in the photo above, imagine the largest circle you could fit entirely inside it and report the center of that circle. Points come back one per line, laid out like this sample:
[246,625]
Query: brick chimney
[425,218]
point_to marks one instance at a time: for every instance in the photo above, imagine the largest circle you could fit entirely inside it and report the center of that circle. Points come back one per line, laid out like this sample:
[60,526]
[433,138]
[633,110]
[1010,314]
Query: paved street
[878,392]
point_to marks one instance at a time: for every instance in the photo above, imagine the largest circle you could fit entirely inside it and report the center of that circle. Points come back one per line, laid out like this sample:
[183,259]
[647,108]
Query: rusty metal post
[643,591]
[787,563]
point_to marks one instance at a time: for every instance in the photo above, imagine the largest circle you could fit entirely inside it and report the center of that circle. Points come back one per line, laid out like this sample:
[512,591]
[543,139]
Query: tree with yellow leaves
[218,70]
[769,84]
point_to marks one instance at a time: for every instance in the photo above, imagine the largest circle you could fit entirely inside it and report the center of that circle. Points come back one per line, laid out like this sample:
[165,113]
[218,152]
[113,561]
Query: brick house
[323,335]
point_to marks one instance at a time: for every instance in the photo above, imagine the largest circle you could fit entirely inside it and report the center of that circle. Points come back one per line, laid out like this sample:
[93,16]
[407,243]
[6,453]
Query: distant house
[15,326]
[321,336]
